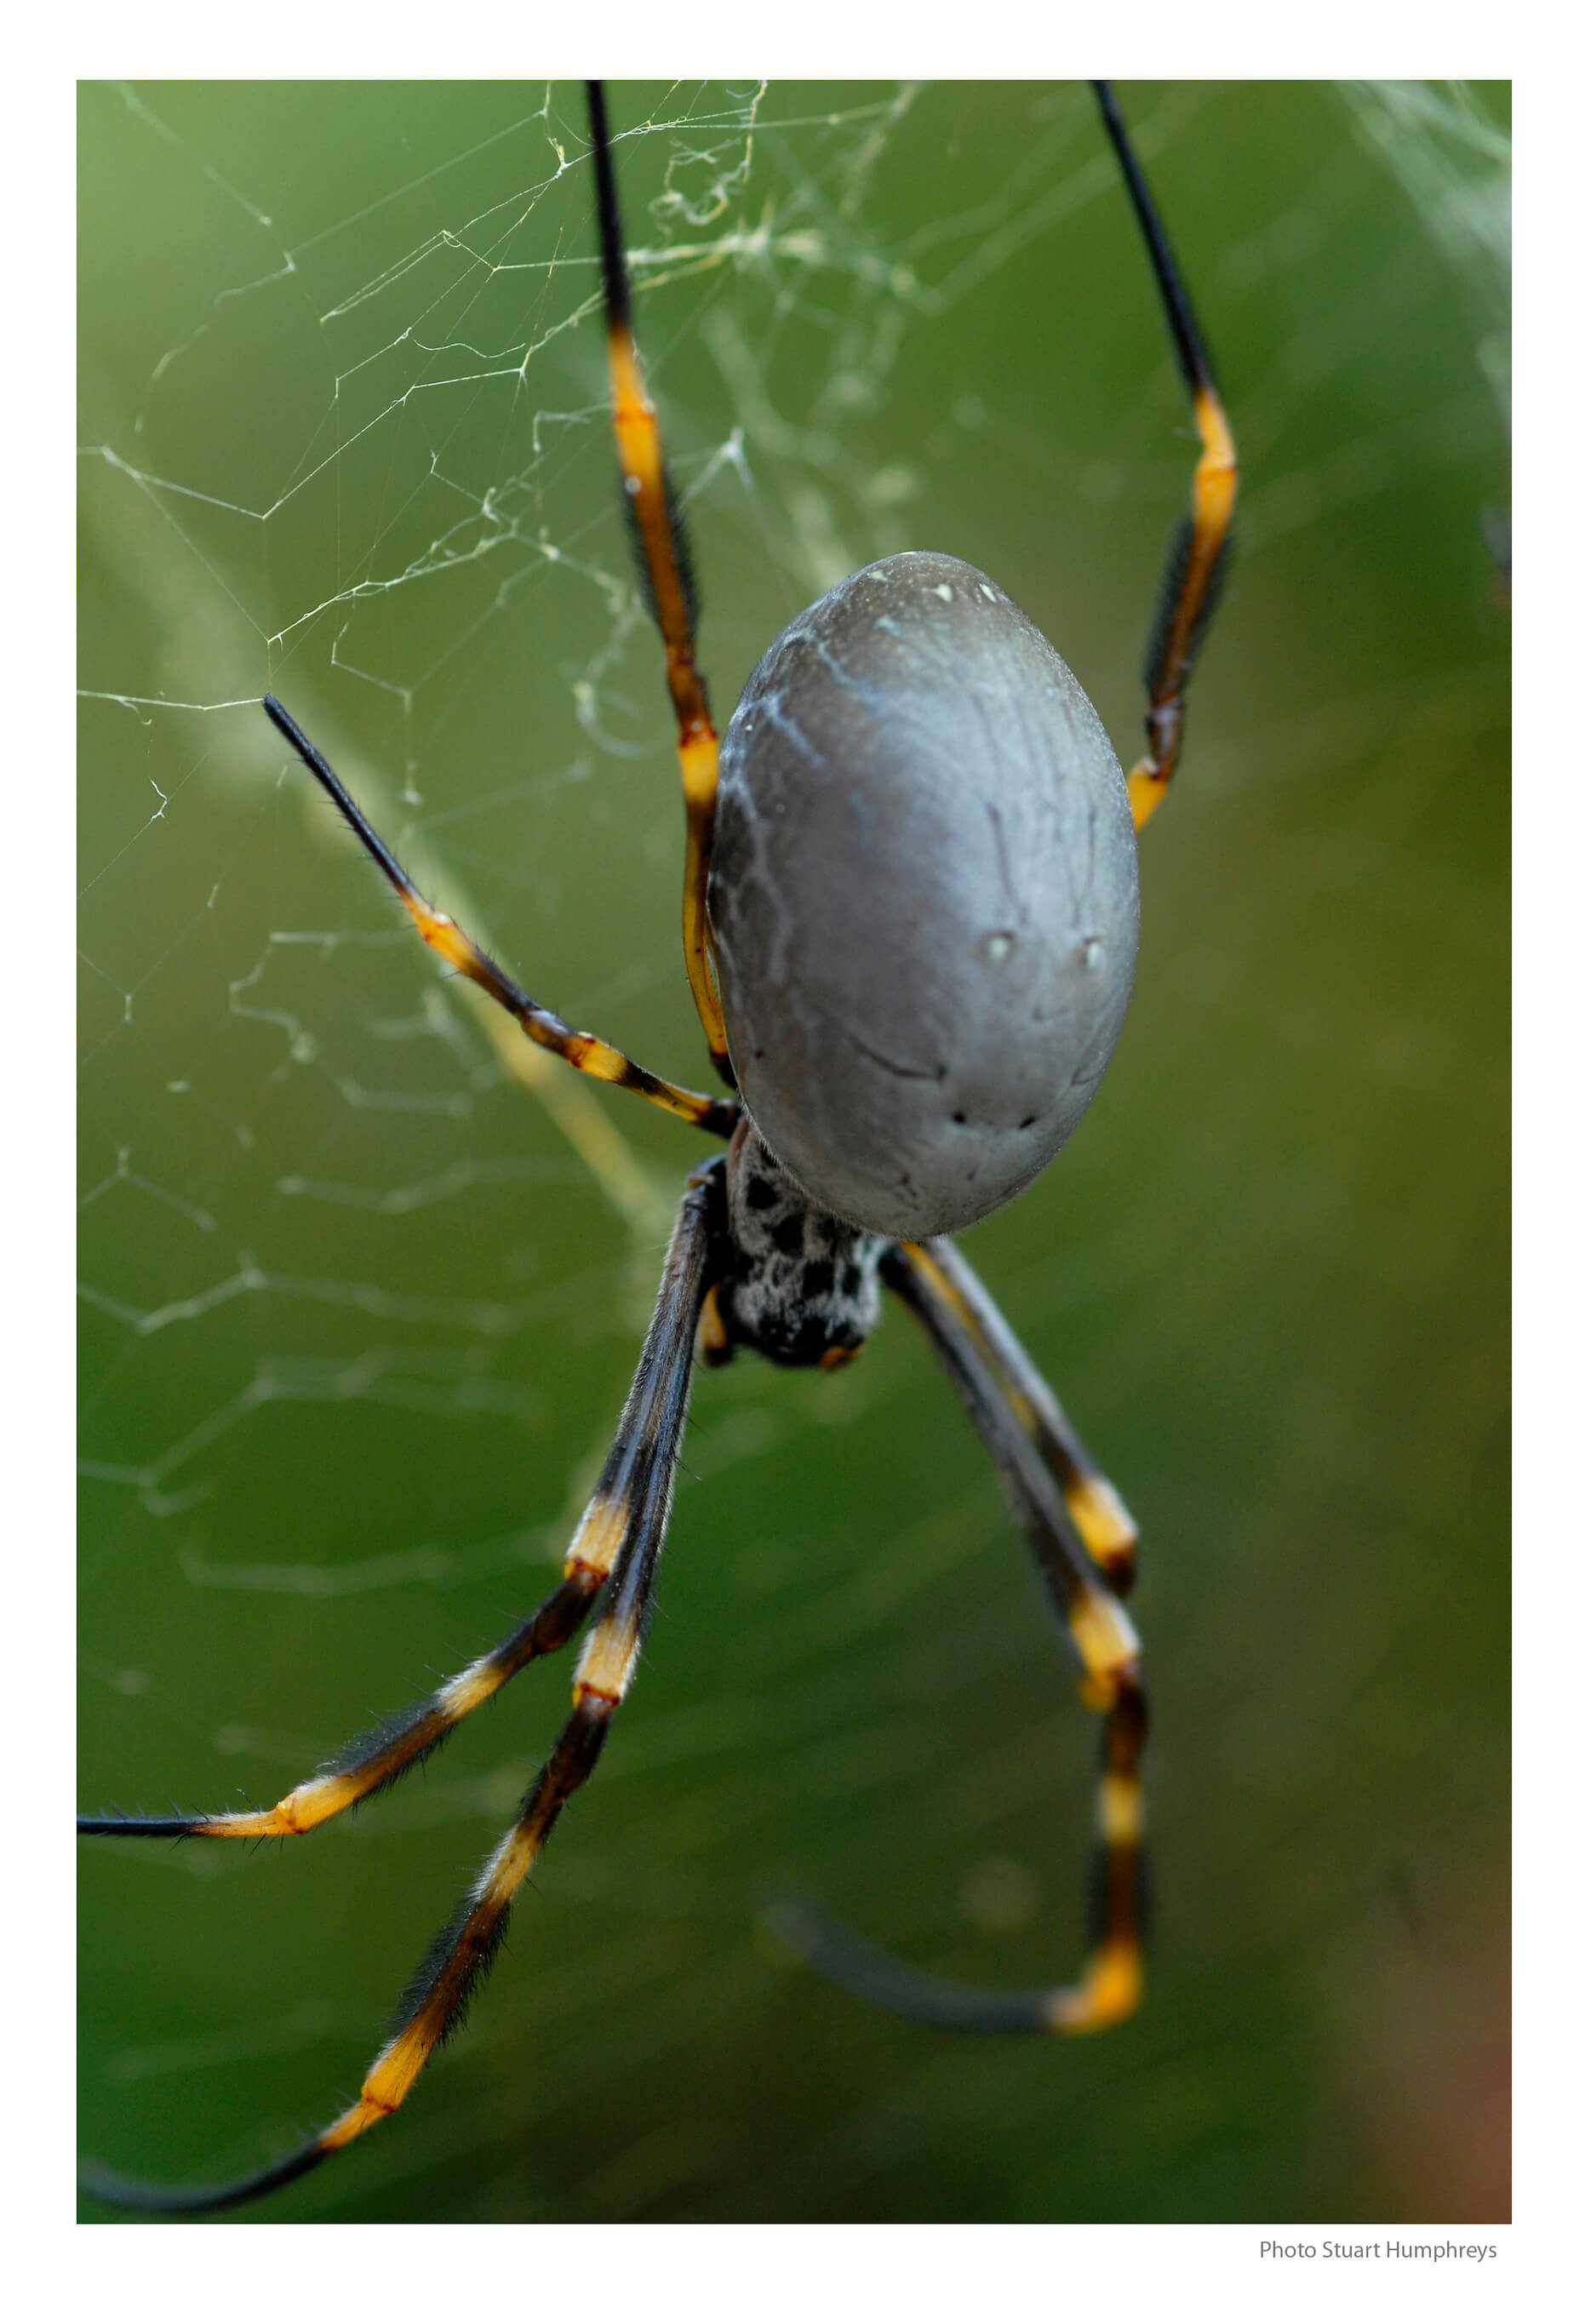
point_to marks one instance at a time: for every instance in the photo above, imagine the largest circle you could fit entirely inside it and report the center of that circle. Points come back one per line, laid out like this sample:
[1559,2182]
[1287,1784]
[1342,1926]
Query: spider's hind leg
[666,570]
[1196,559]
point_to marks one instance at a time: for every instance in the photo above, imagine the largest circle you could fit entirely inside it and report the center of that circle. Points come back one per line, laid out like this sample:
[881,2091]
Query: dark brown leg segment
[1112,1982]
[1197,558]
[628,1516]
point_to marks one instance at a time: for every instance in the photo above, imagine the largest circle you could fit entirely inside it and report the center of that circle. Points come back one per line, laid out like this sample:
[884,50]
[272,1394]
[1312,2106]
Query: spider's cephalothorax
[909,933]
[804,1288]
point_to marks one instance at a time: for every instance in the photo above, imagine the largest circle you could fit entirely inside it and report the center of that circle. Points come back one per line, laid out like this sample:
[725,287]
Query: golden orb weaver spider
[909,921]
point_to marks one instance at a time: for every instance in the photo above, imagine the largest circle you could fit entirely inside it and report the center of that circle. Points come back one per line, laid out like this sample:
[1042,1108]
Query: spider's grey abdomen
[924,898]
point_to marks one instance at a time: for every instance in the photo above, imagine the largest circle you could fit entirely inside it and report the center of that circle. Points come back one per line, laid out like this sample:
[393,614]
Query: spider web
[363,1276]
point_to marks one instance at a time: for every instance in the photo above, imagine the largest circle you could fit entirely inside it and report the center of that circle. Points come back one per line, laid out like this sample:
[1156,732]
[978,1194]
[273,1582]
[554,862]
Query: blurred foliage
[358,1317]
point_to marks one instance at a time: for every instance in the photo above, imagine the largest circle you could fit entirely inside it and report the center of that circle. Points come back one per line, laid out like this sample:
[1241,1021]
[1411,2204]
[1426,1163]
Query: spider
[910,915]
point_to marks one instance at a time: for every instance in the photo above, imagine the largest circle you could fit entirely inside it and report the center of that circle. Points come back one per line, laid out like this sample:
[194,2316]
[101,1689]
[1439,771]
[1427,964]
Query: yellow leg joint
[1112,1989]
[1105,1527]
[1106,1639]
[1146,790]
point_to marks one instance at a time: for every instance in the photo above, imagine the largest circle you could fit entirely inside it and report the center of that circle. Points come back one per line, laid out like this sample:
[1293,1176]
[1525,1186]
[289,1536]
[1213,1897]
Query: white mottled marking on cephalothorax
[803,1283]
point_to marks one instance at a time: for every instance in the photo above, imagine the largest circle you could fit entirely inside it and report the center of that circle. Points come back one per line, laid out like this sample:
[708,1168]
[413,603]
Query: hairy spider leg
[441,933]
[377,1758]
[667,568]
[1093,1502]
[628,1517]
[1112,1982]
[1197,560]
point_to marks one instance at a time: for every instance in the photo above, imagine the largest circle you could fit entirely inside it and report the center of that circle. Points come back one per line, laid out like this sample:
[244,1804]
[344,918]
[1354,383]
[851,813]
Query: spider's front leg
[1082,1542]
[1092,1501]
[625,1526]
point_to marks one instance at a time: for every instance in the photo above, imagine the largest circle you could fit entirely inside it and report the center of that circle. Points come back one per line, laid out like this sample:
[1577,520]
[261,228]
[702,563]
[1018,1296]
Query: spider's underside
[909,937]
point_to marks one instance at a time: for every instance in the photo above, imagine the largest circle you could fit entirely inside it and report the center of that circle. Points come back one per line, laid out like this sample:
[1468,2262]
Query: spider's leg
[634,1494]
[1197,558]
[377,1758]
[457,947]
[1092,1501]
[1109,1985]
[668,572]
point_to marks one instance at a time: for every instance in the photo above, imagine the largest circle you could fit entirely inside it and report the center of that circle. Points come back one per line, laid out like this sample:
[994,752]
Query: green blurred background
[359,1313]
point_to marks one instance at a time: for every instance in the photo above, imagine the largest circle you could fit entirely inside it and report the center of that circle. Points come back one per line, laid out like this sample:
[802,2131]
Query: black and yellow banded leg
[627,1518]
[441,933]
[1094,1504]
[1112,1982]
[668,570]
[1102,1636]
[372,1762]
[1197,558]
[377,1758]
